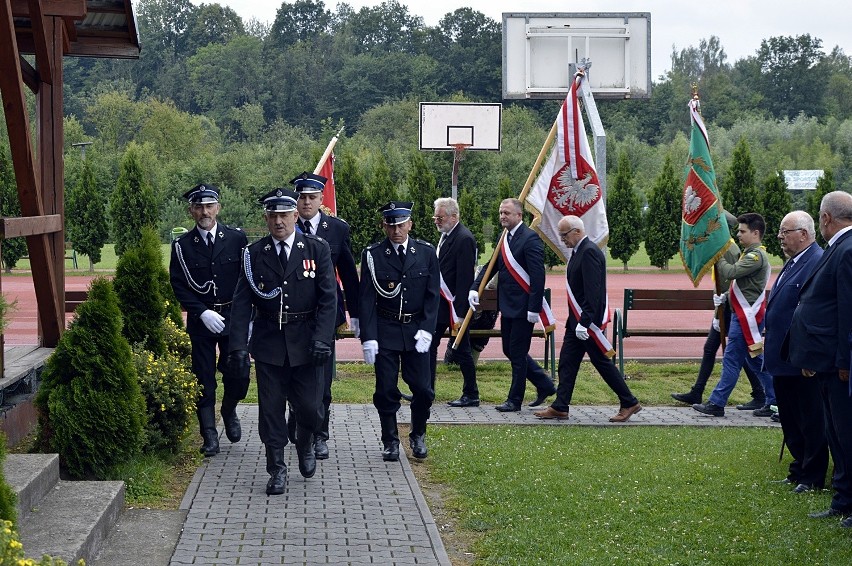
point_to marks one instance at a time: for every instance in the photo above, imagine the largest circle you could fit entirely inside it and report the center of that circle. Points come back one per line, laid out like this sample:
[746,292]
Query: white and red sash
[447,296]
[750,317]
[595,332]
[520,275]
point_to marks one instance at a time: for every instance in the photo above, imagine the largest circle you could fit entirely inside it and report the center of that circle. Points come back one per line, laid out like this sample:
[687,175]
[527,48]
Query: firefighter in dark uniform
[313,220]
[286,287]
[400,287]
[204,266]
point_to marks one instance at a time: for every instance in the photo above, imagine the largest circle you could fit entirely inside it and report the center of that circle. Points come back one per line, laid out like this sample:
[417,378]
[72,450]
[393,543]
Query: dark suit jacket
[818,337]
[512,300]
[782,301]
[586,274]
[336,232]
[292,343]
[458,264]
[221,265]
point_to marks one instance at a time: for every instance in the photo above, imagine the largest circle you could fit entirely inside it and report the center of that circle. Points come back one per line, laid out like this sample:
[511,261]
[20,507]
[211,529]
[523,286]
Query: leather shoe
[320,449]
[764,411]
[541,397]
[688,398]
[276,484]
[508,407]
[464,401]
[804,488]
[751,405]
[625,413]
[776,417]
[418,445]
[551,413]
[785,481]
[390,451]
[847,522]
[406,397]
[830,512]
[709,408]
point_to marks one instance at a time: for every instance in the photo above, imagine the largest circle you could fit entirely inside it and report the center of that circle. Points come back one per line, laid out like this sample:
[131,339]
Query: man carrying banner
[520,299]
[747,295]
[584,330]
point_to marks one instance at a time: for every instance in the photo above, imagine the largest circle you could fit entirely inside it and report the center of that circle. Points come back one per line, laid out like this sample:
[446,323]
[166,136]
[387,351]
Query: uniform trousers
[516,336]
[325,405]
[415,373]
[276,385]
[803,422]
[204,366]
[837,405]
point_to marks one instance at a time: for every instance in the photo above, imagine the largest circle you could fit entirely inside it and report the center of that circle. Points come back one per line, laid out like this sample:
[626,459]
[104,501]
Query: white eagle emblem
[572,194]
[691,200]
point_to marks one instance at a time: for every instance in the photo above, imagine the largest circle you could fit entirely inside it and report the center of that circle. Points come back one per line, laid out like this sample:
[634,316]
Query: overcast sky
[739,24]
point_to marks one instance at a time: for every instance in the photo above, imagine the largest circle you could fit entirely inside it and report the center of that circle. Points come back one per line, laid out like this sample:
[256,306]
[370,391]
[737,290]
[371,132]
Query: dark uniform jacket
[200,264]
[313,297]
[421,287]
[458,263]
[586,275]
[336,232]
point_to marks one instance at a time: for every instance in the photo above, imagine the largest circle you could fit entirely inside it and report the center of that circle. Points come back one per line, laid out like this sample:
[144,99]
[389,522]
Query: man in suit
[818,342]
[587,301]
[204,266]
[286,287]
[313,220]
[400,290]
[797,396]
[521,252]
[457,260]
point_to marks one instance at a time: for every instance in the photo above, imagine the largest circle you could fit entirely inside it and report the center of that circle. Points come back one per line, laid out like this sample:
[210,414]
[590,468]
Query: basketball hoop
[458,150]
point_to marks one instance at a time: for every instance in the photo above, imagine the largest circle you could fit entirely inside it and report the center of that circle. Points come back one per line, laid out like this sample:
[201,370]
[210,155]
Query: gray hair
[838,204]
[519,206]
[450,205]
[802,220]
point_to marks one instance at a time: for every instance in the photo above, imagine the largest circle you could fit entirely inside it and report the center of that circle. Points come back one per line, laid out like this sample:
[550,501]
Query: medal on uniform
[391,285]
[313,269]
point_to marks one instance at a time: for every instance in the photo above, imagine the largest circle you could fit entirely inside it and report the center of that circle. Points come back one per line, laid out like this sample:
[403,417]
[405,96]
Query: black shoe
[688,398]
[709,408]
[277,483]
[764,411]
[804,488]
[830,512]
[541,397]
[752,405]
[508,407]
[305,452]
[776,417]
[233,430]
[464,401]
[406,397]
[320,449]
[785,481]
[418,445]
[390,452]
[847,522]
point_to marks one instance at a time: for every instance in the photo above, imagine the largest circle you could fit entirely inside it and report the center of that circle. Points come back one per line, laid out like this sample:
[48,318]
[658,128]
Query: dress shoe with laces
[804,488]
[830,512]
[464,401]
[709,408]
[624,413]
[688,398]
[320,449]
[541,397]
[508,407]
[551,413]
[764,411]
[751,405]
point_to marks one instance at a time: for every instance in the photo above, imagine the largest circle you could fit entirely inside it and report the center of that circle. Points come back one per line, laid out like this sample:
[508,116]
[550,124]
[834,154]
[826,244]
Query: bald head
[796,232]
[835,213]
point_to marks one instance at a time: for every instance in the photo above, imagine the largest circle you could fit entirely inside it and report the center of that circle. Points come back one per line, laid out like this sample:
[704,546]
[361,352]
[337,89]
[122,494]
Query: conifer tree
[624,213]
[776,204]
[824,185]
[662,230]
[423,190]
[470,214]
[380,191]
[85,215]
[91,410]
[13,249]
[350,190]
[739,187]
[132,205]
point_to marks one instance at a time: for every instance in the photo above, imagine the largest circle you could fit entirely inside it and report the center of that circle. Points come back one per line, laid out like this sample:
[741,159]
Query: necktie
[508,237]
[784,269]
[282,254]
[400,251]
[209,240]
[440,243]
[306,227]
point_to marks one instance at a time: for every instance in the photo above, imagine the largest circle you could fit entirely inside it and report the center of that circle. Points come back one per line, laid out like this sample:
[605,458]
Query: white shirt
[204,233]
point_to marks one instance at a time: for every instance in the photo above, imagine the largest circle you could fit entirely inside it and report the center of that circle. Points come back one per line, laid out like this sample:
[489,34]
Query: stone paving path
[357,509]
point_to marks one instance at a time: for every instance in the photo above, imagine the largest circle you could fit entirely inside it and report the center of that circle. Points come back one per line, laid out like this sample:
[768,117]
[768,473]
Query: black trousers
[570,356]
[708,361]
[803,423]
[415,373]
[837,405]
[301,385]
[462,355]
[204,365]
[516,335]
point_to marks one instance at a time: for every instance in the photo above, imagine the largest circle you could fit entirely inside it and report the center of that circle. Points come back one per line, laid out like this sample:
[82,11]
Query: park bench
[658,300]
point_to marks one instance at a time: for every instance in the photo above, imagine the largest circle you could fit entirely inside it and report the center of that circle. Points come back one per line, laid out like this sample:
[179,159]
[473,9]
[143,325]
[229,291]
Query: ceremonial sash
[750,317]
[596,333]
[447,296]
[520,275]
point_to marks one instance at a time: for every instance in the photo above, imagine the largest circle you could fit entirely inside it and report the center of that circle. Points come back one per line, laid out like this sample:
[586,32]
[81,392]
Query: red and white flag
[329,198]
[568,182]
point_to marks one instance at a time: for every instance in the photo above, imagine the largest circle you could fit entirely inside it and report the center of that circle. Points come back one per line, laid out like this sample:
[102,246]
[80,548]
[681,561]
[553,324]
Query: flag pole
[328,151]
[490,267]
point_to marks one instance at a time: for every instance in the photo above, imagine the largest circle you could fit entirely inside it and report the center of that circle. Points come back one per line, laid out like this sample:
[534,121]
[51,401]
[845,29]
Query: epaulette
[229,227]
[312,237]
[424,242]
[182,236]
[374,245]
[256,242]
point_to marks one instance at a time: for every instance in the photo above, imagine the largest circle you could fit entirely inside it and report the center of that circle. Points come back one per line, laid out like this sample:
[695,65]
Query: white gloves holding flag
[473,299]
[716,325]
[214,321]
[424,340]
[371,348]
[582,332]
[532,317]
[355,326]
[719,300]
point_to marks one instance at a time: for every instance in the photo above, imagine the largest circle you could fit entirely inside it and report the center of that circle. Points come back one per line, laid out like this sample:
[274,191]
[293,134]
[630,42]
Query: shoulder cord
[250,278]
[203,289]
[387,295]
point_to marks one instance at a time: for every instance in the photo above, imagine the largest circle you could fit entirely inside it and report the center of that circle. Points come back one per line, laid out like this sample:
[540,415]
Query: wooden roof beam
[29,75]
[75,9]
[44,62]
[15,227]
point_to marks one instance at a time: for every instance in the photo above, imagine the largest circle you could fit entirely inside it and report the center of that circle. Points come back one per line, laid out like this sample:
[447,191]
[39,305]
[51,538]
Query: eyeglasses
[439,218]
[783,233]
[568,233]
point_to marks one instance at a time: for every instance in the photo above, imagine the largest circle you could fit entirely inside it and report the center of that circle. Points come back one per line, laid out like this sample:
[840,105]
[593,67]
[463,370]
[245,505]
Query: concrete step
[31,476]
[142,536]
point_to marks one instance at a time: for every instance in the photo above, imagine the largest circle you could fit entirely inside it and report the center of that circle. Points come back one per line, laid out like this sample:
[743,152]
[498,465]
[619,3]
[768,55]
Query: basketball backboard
[537,48]
[444,125]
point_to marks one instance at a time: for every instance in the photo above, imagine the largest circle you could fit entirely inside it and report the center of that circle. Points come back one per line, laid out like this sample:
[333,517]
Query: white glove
[473,299]
[424,340]
[371,348]
[716,325]
[355,325]
[214,321]
[532,317]
[719,300]
[582,332]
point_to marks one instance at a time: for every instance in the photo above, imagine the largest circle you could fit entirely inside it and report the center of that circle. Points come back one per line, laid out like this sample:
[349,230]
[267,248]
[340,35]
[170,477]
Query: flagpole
[490,267]
[328,151]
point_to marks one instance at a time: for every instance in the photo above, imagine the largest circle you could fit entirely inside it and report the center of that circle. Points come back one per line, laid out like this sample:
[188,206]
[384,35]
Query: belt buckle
[405,319]
[282,317]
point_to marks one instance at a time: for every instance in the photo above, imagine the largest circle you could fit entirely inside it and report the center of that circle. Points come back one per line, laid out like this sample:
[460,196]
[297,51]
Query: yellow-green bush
[12,551]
